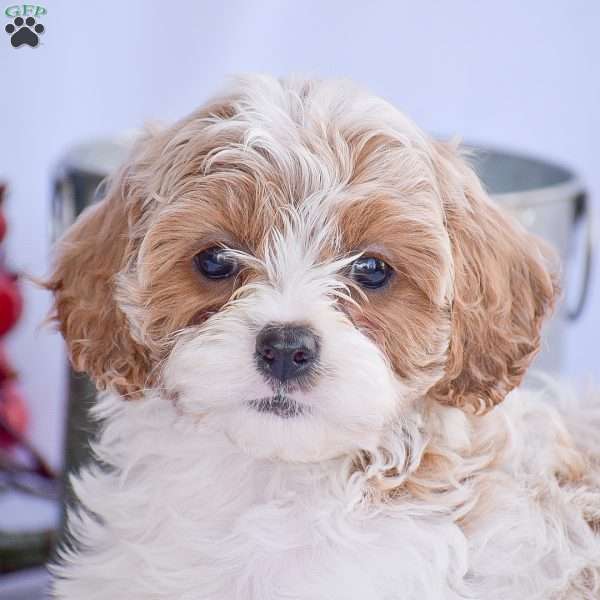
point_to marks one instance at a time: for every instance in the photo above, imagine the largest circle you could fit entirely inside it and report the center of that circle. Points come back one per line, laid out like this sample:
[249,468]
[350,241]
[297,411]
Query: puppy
[307,316]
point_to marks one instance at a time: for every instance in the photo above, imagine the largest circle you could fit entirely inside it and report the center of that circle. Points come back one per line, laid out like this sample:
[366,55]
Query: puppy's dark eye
[370,272]
[216,263]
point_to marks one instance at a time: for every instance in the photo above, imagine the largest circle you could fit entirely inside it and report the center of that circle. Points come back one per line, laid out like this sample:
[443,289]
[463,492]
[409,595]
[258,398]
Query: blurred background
[523,77]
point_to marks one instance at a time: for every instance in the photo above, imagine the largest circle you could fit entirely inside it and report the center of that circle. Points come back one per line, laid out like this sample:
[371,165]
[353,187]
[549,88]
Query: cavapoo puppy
[307,316]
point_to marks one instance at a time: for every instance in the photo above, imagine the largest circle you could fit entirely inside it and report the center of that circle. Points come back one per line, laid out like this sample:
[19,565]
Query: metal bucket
[548,199]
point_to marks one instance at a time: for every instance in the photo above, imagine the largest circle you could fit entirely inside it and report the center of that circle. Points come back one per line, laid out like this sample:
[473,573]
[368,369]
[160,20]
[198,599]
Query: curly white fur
[179,512]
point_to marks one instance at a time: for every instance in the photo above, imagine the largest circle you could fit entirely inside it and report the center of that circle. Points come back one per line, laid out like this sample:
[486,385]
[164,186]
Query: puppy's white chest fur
[188,516]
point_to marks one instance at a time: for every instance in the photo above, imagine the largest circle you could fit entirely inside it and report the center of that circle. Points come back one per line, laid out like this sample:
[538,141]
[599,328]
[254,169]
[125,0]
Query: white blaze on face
[354,392]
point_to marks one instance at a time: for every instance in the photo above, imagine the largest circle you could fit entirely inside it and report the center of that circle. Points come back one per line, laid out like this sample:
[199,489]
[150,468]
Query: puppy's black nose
[286,352]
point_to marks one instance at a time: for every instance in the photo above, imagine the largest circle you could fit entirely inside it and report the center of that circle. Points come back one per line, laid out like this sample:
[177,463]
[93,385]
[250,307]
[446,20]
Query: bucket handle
[582,213]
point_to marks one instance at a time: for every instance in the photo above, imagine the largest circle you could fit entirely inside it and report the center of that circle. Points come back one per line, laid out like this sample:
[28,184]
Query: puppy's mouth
[279,405]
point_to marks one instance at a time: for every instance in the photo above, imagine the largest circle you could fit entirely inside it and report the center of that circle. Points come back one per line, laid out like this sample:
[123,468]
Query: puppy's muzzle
[286,353]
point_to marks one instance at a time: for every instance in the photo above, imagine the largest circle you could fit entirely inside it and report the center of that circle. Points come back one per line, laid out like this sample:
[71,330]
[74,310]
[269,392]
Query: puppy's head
[298,265]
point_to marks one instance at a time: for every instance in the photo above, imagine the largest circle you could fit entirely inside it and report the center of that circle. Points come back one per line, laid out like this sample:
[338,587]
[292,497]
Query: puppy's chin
[304,438]
[333,419]
[302,426]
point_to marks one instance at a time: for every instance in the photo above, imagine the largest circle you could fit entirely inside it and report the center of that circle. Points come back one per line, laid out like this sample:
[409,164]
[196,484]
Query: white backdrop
[522,75]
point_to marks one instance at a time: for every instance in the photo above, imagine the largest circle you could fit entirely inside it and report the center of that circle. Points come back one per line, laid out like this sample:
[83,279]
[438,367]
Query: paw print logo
[24,32]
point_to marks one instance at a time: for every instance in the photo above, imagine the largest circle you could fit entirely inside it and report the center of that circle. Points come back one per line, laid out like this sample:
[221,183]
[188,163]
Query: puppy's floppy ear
[89,257]
[503,288]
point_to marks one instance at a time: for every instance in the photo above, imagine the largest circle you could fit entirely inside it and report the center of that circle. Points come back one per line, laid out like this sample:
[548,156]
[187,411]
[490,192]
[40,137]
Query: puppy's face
[298,266]
[313,315]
